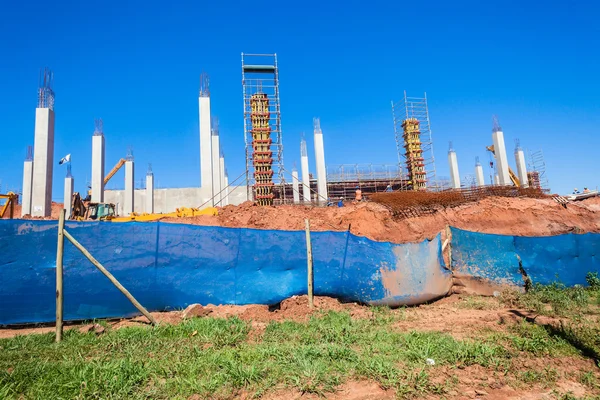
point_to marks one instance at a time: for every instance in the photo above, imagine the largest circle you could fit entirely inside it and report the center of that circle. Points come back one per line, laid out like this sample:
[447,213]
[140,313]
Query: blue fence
[563,258]
[168,266]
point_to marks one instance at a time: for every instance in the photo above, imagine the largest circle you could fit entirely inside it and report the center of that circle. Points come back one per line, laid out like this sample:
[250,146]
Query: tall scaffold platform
[262,128]
[536,174]
[414,143]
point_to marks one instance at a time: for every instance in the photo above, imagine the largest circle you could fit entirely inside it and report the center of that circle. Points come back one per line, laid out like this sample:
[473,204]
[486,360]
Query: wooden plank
[111,278]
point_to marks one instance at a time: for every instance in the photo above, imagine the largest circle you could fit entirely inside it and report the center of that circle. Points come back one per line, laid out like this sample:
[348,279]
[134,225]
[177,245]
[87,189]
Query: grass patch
[553,300]
[213,358]
[478,303]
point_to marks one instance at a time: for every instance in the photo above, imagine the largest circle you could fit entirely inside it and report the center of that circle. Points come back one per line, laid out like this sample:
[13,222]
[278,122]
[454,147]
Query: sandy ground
[500,215]
[448,315]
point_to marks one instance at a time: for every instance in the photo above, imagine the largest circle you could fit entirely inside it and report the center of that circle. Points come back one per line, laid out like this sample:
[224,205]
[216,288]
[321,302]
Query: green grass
[217,361]
[214,358]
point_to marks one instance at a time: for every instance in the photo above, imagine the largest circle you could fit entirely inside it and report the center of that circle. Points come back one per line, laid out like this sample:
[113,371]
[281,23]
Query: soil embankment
[499,215]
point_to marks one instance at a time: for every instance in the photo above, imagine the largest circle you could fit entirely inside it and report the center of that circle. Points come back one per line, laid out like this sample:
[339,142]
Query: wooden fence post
[111,278]
[309,258]
[59,276]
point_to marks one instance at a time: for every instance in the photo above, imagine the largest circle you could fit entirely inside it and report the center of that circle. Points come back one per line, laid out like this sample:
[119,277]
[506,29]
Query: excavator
[11,200]
[513,177]
[93,211]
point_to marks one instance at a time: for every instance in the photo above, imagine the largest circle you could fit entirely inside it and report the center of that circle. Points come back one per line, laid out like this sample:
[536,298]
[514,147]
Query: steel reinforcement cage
[260,79]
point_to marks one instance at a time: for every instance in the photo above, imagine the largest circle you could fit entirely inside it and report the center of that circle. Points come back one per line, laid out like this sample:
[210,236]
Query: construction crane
[11,200]
[513,177]
[112,172]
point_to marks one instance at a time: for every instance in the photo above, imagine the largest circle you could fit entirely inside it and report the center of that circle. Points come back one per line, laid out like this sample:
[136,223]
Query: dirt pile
[499,215]
[56,207]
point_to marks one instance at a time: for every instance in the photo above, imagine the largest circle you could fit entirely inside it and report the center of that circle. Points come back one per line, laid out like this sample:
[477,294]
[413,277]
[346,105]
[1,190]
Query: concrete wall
[205,143]
[168,200]
[27,182]
[501,160]
[43,163]
[129,198]
[98,148]
[453,164]
[68,201]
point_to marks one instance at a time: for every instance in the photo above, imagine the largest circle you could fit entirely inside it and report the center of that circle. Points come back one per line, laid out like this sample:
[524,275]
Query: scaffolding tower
[416,110]
[262,128]
[536,174]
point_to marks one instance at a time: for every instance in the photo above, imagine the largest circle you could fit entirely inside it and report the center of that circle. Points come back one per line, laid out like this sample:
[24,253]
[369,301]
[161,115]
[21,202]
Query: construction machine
[11,200]
[112,172]
[93,211]
[513,177]
[179,213]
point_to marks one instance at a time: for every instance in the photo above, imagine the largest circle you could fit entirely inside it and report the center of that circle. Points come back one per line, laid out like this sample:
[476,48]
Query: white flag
[65,159]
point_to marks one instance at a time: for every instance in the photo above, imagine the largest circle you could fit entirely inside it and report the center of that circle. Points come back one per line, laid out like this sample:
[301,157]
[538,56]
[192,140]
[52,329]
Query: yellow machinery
[11,200]
[179,213]
[112,172]
[107,212]
[511,173]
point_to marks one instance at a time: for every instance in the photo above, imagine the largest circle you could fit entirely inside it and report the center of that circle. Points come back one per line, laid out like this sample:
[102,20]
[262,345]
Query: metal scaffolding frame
[415,107]
[537,170]
[260,76]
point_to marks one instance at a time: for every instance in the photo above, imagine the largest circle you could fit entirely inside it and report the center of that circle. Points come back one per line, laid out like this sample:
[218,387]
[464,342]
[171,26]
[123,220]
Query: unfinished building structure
[453,164]
[262,128]
[500,154]
[27,182]
[43,148]
[414,142]
[320,162]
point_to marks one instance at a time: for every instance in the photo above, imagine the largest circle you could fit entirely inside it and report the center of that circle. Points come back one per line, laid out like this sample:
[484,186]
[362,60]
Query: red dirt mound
[499,215]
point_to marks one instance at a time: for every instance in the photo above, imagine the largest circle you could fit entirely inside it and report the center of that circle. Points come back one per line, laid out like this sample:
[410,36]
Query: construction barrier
[169,266]
[503,259]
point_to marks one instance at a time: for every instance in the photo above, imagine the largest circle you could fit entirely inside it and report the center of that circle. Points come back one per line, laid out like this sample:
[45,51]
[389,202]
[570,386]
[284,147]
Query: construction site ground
[514,346]
[544,344]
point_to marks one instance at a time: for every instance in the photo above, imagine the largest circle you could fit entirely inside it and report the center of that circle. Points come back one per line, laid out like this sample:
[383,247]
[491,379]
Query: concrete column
[216,169]
[295,186]
[27,182]
[479,174]
[521,168]
[222,178]
[496,179]
[501,160]
[305,173]
[68,200]
[43,162]
[454,175]
[320,162]
[227,190]
[150,193]
[205,144]
[129,188]
[98,152]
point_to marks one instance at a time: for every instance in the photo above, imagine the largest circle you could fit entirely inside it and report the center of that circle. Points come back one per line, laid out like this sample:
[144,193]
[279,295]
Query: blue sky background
[136,65]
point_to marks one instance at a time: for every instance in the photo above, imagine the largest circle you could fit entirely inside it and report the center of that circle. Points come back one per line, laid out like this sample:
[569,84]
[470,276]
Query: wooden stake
[309,258]
[111,278]
[59,276]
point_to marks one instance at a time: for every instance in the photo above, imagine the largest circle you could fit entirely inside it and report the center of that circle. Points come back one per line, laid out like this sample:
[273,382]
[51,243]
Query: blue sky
[136,65]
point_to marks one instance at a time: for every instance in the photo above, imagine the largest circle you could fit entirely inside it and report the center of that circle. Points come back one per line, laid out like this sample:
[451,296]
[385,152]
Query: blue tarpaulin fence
[169,266]
[563,258]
